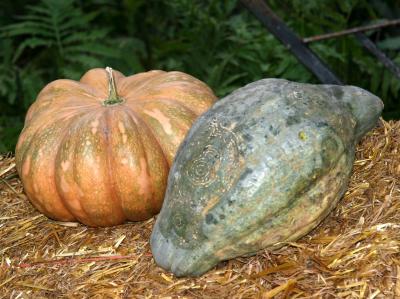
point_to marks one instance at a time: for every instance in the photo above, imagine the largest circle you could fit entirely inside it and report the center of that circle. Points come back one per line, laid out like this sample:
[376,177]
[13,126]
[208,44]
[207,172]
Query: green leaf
[390,43]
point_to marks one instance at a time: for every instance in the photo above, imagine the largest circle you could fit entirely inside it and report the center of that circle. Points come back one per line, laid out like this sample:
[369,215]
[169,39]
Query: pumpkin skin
[262,167]
[99,150]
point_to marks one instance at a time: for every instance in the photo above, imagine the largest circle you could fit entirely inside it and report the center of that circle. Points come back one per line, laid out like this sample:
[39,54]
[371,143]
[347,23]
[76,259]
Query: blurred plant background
[217,41]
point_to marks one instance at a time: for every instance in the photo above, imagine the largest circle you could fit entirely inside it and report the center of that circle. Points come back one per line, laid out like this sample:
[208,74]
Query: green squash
[262,167]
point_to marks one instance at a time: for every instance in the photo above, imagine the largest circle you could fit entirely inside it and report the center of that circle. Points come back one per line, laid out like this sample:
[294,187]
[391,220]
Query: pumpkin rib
[79,118]
[86,219]
[112,189]
[57,157]
[147,203]
[137,117]
[23,156]
[131,117]
[85,205]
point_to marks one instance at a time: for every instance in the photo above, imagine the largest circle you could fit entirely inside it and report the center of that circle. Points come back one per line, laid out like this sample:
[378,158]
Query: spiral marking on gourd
[202,170]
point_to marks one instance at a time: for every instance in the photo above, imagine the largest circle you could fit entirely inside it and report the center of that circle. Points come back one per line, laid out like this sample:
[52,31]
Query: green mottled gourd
[262,167]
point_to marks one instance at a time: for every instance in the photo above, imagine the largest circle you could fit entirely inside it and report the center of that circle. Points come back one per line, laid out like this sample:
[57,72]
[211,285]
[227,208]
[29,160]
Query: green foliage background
[217,41]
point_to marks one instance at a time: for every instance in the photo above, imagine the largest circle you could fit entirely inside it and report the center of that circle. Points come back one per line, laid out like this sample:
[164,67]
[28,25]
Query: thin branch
[351,31]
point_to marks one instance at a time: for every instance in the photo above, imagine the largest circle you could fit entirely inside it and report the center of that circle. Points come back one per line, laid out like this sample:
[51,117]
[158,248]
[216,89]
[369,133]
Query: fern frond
[27,28]
[32,43]
[62,28]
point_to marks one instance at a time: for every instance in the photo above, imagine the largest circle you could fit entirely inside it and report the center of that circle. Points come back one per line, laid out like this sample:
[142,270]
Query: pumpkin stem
[113,97]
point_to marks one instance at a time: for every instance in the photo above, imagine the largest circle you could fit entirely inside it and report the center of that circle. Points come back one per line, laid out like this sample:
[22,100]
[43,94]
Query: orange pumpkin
[99,150]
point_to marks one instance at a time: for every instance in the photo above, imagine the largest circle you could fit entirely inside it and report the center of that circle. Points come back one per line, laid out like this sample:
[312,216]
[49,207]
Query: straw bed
[354,253]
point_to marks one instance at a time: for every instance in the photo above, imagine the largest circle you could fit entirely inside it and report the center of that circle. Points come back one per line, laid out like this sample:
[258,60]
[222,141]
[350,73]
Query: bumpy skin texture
[81,160]
[263,166]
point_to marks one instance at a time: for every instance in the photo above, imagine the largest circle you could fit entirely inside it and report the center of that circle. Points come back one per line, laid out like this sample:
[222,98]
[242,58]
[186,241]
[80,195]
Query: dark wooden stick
[351,31]
[278,28]
[371,47]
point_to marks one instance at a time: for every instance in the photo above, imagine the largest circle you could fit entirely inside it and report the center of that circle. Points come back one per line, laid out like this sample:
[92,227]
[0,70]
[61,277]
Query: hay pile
[354,253]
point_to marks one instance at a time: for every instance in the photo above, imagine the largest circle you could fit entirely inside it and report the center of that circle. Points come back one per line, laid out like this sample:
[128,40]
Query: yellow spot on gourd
[302,135]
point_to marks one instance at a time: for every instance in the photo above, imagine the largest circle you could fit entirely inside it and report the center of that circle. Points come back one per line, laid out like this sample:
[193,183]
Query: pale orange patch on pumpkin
[124,161]
[122,130]
[64,185]
[35,188]
[162,119]
[94,124]
[27,166]
[65,165]
[121,127]
[80,192]
[176,141]
[144,178]
[75,204]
